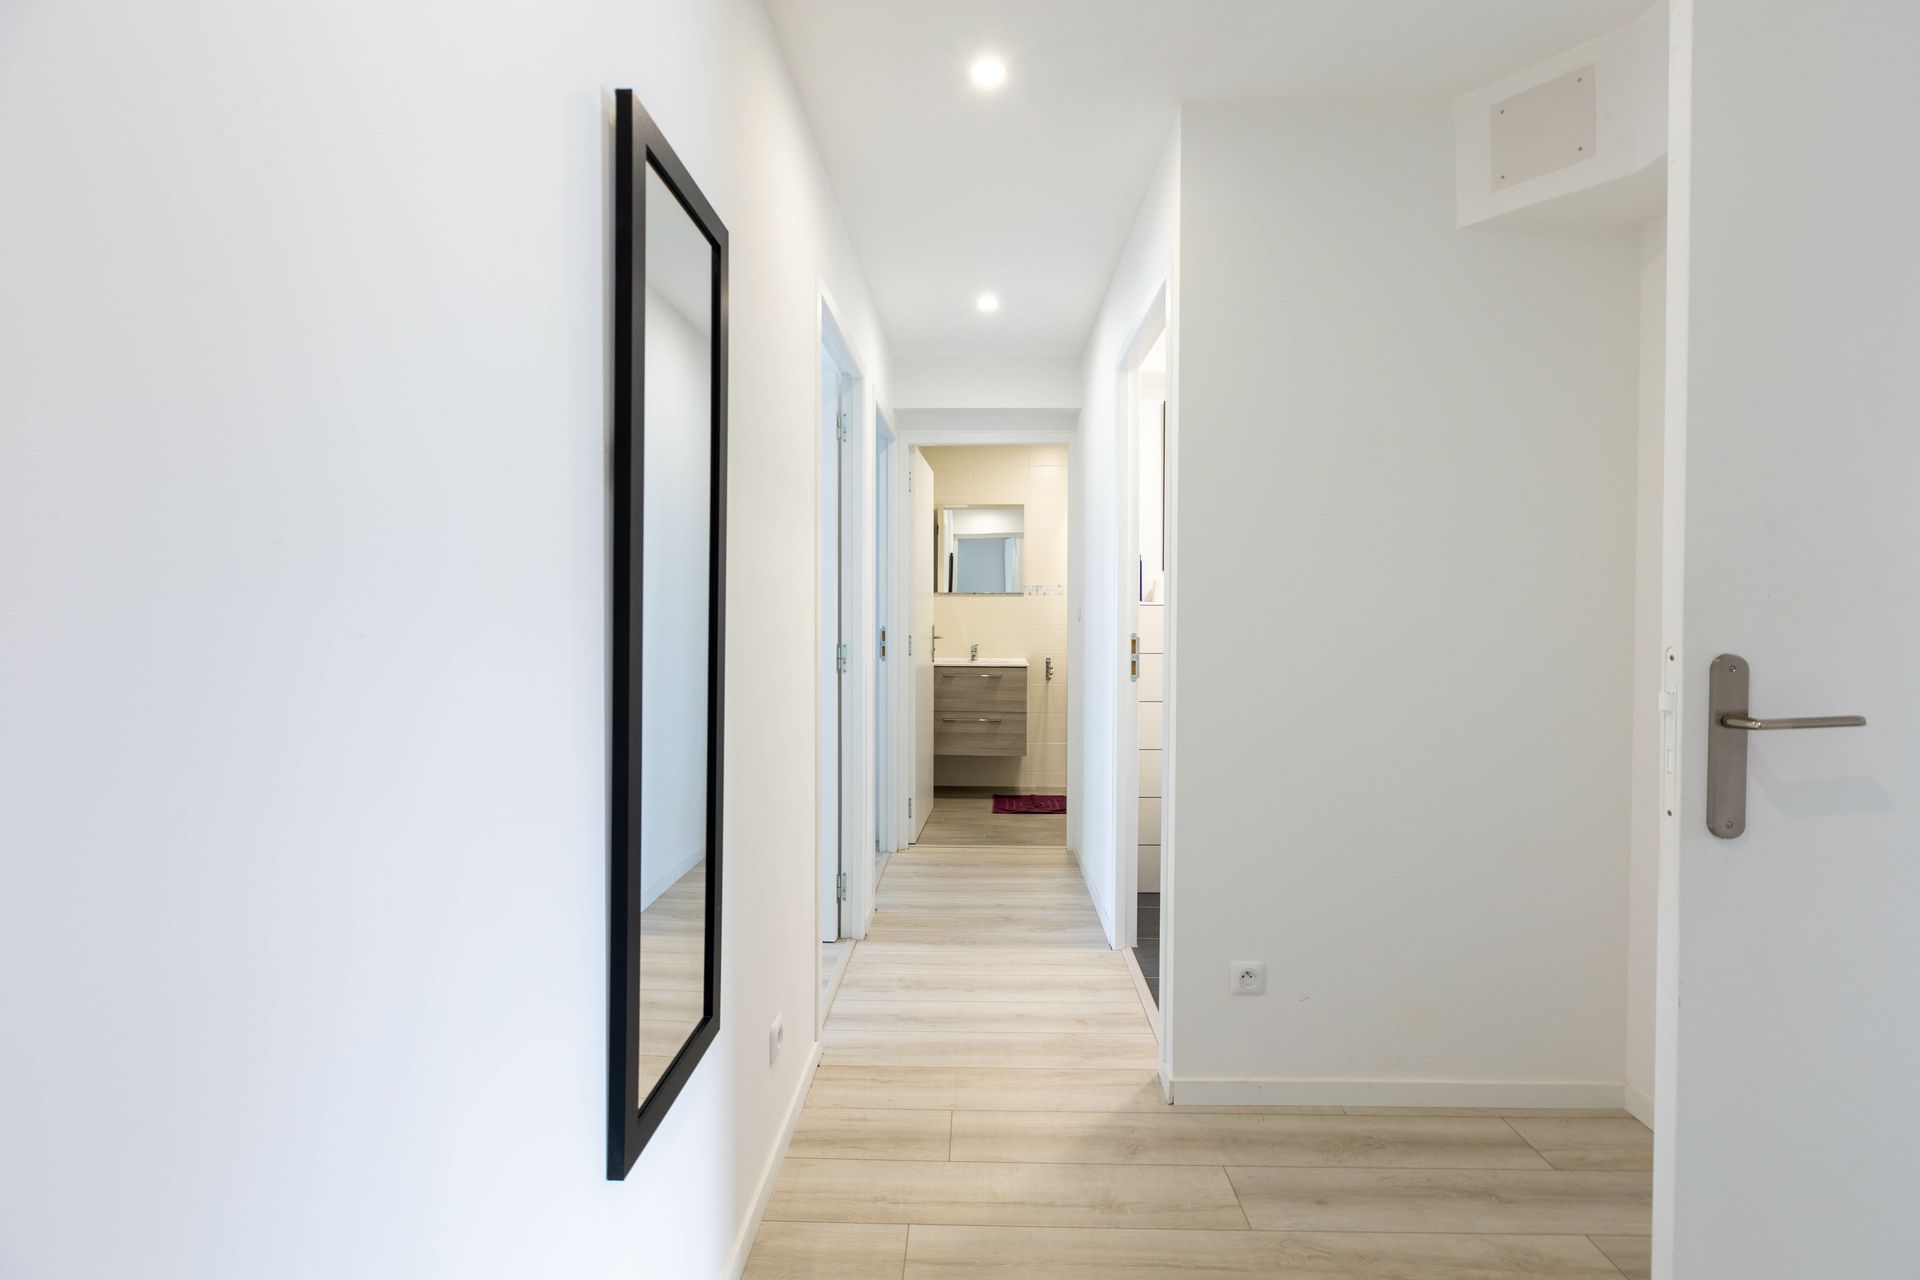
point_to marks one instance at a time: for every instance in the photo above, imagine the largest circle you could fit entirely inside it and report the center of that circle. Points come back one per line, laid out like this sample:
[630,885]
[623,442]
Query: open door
[920,584]
[1787,1118]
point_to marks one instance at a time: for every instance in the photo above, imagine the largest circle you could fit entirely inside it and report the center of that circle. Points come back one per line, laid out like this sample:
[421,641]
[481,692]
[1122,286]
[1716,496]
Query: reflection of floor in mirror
[673,932]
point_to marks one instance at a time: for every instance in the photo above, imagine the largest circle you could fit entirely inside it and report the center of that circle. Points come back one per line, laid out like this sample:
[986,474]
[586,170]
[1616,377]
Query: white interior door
[1788,1112]
[828,647]
[883,552]
[920,580]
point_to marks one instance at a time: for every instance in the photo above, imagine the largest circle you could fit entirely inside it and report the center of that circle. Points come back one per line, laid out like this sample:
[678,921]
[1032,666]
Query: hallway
[987,1104]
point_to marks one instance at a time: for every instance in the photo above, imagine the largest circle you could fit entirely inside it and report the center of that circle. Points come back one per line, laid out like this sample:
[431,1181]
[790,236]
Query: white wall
[1643,851]
[303,438]
[1100,555]
[985,382]
[1403,708]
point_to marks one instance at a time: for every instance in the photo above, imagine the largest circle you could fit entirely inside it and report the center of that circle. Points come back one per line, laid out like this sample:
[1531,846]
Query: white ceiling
[1030,192]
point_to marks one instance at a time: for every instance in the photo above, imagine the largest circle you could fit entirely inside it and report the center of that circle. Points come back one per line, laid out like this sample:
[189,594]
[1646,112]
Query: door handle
[1755,725]
[1728,725]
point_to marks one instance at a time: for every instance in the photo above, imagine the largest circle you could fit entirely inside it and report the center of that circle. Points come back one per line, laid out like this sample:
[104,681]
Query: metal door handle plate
[1728,724]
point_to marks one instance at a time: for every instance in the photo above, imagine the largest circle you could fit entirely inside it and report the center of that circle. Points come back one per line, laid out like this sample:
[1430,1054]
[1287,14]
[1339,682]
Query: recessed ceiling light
[987,72]
[988,302]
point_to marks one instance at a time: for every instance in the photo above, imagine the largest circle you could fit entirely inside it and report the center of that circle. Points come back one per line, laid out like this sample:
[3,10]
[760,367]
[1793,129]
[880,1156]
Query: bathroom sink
[982,662]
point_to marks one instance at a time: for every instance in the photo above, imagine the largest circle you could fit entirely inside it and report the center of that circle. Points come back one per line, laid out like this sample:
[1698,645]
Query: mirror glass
[676,454]
[980,550]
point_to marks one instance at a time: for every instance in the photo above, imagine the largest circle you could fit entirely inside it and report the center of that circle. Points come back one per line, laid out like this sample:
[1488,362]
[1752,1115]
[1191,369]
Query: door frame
[963,428]
[1126,720]
[893,674]
[845,546]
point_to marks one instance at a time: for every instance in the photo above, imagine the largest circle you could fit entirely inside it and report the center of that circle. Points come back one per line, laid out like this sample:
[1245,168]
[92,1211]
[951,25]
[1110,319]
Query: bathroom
[1000,612]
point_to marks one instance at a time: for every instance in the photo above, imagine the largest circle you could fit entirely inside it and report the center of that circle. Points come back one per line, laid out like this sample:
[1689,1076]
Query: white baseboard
[1399,1093]
[1106,917]
[743,1243]
[1639,1106]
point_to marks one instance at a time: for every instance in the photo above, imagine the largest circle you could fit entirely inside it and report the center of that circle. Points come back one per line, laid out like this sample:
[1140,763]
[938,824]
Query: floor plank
[971,820]
[987,1049]
[976,1253]
[988,1104]
[1005,1194]
[1499,1202]
[1633,1255]
[827,1251]
[994,1089]
[986,982]
[1589,1144]
[1411,1142]
[973,1017]
[847,1133]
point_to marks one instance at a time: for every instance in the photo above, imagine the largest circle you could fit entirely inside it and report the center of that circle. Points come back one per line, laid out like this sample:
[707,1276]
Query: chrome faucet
[974,654]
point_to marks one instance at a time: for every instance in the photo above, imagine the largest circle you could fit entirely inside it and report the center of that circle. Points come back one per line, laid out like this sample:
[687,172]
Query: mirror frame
[638,144]
[939,569]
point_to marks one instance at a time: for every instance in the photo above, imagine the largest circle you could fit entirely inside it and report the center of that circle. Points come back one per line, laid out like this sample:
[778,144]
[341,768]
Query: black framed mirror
[668,630]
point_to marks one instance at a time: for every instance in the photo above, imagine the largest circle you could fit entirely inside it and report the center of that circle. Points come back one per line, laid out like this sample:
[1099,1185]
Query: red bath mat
[1029,804]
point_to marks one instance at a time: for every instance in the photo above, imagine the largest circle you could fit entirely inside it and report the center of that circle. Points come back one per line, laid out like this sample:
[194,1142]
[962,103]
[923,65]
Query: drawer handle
[970,719]
[985,675]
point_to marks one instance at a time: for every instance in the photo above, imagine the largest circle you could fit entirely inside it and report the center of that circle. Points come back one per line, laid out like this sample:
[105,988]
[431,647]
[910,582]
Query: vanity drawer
[990,733]
[980,691]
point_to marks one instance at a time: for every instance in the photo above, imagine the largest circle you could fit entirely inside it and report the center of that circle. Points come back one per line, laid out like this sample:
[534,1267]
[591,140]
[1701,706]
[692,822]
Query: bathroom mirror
[668,587]
[981,550]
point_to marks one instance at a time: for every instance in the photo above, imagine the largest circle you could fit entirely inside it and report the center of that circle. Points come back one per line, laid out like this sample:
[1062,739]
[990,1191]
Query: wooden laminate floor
[970,821]
[987,1106]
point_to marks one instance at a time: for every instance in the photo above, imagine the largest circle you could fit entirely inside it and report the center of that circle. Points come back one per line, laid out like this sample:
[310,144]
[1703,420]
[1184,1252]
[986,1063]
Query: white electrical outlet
[775,1034]
[1247,978]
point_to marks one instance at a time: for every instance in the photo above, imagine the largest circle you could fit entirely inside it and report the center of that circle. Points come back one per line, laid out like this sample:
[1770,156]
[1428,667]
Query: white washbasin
[983,662]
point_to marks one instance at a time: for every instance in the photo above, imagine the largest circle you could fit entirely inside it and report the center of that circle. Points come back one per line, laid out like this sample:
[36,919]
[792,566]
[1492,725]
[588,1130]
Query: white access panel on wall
[1543,129]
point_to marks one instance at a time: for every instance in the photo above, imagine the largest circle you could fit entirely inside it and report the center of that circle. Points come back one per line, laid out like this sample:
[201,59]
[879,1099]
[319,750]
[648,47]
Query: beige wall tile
[1152,725]
[1001,485]
[1153,628]
[1050,480]
[1153,672]
[1046,511]
[1149,814]
[1149,869]
[1149,773]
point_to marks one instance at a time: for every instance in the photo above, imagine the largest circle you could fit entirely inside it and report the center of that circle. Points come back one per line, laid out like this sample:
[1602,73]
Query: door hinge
[883,644]
[909,646]
[909,806]
[843,428]
[840,659]
[840,886]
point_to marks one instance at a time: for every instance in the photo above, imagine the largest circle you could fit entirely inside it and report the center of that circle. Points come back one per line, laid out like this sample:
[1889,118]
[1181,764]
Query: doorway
[1147,670]
[1142,747]
[996,552]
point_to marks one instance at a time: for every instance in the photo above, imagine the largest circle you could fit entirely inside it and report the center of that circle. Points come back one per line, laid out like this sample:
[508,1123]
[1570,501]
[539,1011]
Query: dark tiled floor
[1147,951]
